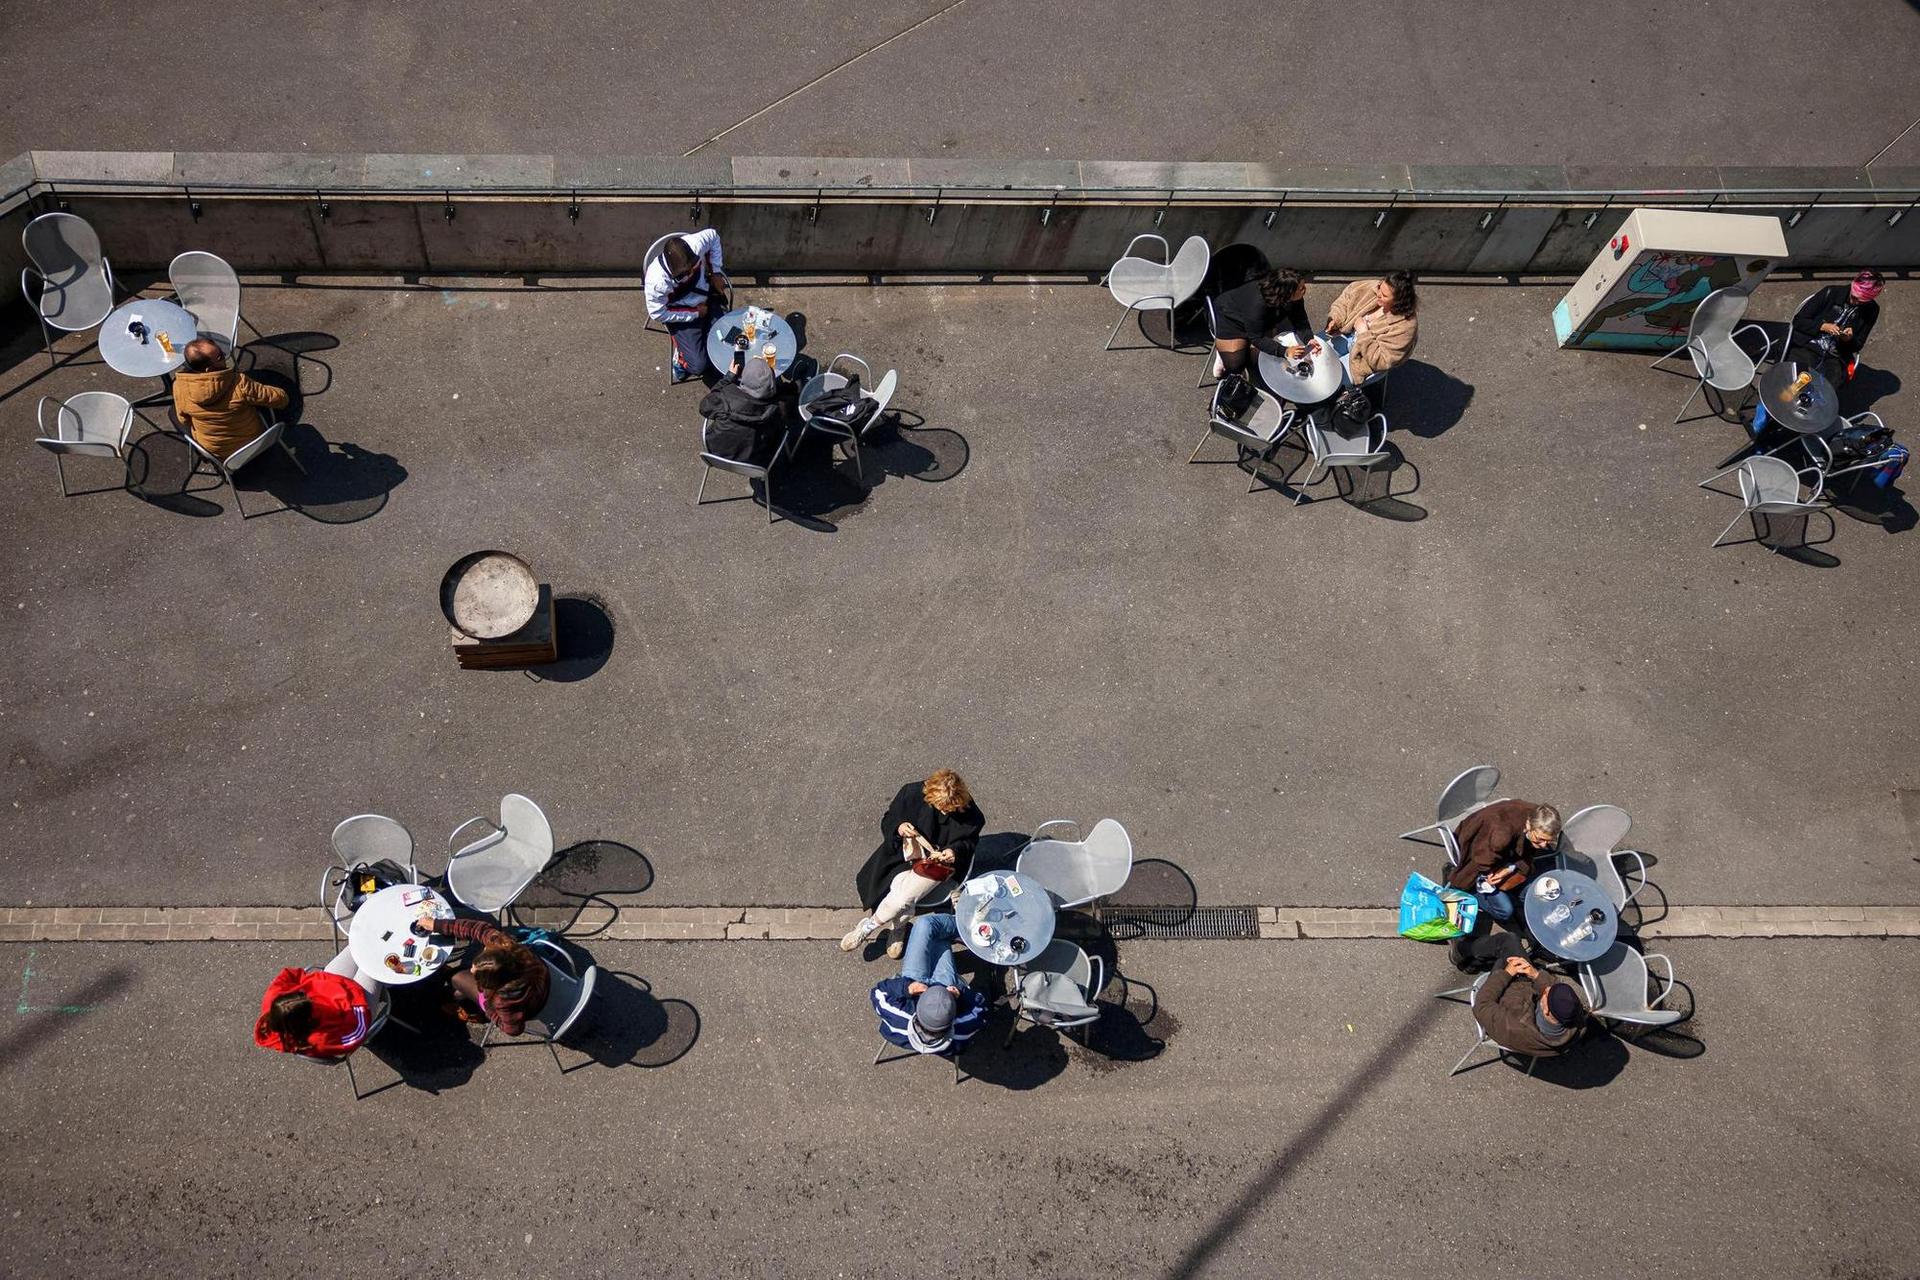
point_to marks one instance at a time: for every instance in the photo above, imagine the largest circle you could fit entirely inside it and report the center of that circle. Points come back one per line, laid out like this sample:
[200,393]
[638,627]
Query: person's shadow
[1424,400]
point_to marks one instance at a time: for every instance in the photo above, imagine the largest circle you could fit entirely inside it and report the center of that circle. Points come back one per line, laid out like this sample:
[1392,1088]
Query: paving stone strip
[819,924]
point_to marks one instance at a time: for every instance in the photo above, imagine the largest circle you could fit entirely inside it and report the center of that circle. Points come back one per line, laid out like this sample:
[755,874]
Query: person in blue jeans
[924,1007]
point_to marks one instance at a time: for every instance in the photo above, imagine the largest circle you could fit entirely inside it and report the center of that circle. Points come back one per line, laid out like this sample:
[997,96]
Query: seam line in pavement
[820,924]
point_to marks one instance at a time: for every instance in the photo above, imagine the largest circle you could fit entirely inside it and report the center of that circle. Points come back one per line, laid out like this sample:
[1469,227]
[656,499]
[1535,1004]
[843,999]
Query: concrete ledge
[828,924]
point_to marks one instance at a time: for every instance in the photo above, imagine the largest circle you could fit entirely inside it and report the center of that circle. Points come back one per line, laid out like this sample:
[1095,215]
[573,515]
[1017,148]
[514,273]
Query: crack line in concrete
[833,72]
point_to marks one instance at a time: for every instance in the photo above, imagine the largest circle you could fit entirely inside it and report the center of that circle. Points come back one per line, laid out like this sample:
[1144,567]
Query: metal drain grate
[1182,922]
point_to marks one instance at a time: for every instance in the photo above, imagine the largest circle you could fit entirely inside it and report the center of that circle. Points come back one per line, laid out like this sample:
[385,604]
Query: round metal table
[1810,412]
[1578,896]
[1316,387]
[1005,918]
[126,354]
[381,929]
[775,330]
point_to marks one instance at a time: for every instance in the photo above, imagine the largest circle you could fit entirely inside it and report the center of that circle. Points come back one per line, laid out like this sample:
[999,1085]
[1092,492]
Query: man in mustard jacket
[218,405]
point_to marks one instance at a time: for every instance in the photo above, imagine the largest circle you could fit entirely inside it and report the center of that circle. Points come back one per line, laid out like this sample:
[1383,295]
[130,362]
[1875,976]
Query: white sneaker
[861,932]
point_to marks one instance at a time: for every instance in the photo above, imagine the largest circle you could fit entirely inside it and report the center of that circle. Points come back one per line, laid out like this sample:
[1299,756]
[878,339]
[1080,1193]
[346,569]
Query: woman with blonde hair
[927,838]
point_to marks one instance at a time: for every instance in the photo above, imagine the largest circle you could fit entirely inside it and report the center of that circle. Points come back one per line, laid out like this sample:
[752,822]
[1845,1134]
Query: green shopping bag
[1432,912]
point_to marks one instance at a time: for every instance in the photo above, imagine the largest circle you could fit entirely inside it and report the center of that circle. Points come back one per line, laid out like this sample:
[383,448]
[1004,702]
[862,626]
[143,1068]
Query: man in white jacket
[686,291]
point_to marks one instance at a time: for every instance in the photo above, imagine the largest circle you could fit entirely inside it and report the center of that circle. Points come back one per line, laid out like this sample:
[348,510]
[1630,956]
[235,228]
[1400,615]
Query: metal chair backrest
[1596,830]
[654,250]
[372,837]
[1270,417]
[567,994]
[751,470]
[1077,872]
[1337,449]
[1616,988]
[208,287]
[881,396]
[1717,314]
[1468,791]
[1062,982]
[490,873]
[77,290]
[89,422]
[1770,483]
[1188,270]
[1451,843]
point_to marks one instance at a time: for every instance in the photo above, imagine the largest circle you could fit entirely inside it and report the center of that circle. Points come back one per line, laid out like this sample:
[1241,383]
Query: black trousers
[1485,947]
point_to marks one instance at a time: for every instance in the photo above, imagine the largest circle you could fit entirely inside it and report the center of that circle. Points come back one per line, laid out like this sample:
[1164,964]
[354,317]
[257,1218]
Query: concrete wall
[524,215]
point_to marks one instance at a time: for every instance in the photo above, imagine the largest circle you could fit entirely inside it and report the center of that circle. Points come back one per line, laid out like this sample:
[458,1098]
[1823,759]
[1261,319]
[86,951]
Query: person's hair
[679,255]
[202,354]
[289,1019]
[946,791]
[504,964]
[1544,818]
[1405,299]
[1278,286]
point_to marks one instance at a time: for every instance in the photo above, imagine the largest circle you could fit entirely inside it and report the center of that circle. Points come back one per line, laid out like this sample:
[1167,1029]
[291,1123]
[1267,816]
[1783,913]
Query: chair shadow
[819,485]
[1032,1057]
[433,1052]
[998,851]
[628,1026]
[1368,489]
[797,321]
[1868,387]
[288,357]
[1594,1063]
[583,633]
[1681,1040]
[1158,895]
[158,468]
[590,874]
[1642,917]
[1426,401]
[1869,504]
[343,483]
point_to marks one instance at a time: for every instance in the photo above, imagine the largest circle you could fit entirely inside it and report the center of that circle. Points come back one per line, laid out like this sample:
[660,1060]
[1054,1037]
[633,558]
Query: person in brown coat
[218,405]
[1527,1011]
[1374,324]
[1497,847]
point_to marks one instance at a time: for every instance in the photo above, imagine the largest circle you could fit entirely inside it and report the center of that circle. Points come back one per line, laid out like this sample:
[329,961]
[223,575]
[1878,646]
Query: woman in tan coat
[1374,324]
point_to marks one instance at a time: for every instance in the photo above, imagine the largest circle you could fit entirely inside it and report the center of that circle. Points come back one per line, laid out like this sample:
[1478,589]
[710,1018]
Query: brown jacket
[220,408]
[1388,339]
[1492,837]
[1504,1009]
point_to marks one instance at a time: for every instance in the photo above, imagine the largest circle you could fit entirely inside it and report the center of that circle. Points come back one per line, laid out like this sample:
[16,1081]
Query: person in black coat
[746,412]
[927,838]
[1252,314]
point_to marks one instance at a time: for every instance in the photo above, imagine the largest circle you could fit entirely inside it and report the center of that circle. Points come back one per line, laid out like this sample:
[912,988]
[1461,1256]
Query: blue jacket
[895,1007]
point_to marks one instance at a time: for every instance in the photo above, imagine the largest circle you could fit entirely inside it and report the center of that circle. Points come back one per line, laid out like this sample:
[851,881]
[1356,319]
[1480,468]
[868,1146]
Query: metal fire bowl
[489,594]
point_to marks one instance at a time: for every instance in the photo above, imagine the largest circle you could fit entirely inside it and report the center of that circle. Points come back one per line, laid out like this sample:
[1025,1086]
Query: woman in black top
[1832,326]
[1252,313]
[937,817]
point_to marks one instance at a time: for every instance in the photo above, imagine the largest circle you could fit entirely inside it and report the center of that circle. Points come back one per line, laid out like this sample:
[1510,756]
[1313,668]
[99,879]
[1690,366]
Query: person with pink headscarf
[1832,326]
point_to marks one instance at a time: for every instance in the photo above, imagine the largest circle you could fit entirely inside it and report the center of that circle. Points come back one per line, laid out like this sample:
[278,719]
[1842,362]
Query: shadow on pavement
[584,632]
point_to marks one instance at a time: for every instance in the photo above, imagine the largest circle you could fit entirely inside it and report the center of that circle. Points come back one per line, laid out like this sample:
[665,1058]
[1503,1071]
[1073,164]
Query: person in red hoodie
[313,1013]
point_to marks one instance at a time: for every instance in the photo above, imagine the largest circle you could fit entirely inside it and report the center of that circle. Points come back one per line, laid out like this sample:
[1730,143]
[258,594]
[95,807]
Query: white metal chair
[271,434]
[1616,985]
[91,423]
[1255,437]
[569,992]
[488,874]
[1713,342]
[1769,487]
[1467,995]
[363,839]
[1334,451]
[1078,871]
[76,280]
[876,396]
[712,462]
[206,286]
[1469,790]
[654,250]
[1141,284]
[1057,989]
[1213,347]
[1589,844]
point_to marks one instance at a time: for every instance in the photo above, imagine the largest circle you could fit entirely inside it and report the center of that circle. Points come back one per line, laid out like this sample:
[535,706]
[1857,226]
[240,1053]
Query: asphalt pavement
[1769,82]
[1245,1110]
[1036,589]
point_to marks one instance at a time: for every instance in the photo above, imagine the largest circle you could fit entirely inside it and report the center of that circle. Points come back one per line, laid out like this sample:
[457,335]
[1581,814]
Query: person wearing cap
[1529,1012]
[686,290]
[924,1007]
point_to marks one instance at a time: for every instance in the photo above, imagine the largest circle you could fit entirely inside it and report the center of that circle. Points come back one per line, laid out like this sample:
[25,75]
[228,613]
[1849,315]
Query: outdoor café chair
[1589,844]
[246,453]
[1141,284]
[1467,995]
[1616,985]
[1078,871]
[205,285]
[1769,487]
[1254,438]
[488,874]
[951,1053]
[76,280]
[751,470]
[1469,790]
[1336,452]
[876,396]
[92,423]
[569,991]
[1719,361]
[1820,452]
[1057,989]
[362,840]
